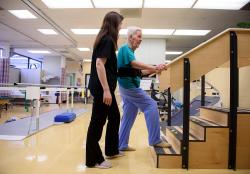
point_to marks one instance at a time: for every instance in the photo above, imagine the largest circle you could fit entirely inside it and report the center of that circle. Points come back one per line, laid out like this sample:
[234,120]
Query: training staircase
[208,141]
[217,139]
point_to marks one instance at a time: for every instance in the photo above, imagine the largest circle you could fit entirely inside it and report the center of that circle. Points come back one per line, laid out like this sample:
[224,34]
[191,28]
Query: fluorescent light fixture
[191,32]
[22,14]
[87,60]
[85,31]
[68,3]
[118,3]
[39,51]
[173,52]
[48,31]
[123,31]
[221,4]
[151,31]
[168,61]
[168,3]
[83,49]
[157,31]
[19,58]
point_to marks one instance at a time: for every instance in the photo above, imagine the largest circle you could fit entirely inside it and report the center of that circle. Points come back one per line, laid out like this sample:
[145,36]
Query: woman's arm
[101,72]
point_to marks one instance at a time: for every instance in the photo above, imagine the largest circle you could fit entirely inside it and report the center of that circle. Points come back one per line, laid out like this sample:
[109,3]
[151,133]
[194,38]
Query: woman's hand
[107,98]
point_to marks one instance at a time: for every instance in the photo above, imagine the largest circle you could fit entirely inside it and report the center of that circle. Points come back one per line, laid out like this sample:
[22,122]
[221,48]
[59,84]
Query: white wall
[151,51]
[244,86]
[14,75]
[74,67]
[31,76]
[220,79]
[52,65]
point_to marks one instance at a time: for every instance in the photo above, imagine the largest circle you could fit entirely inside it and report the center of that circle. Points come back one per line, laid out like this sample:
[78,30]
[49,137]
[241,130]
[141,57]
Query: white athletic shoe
[104,165]
[120,154]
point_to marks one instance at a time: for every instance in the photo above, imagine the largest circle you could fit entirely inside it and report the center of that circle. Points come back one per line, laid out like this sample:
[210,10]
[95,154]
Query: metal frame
[203,93]
[169,106]
[186,112]
[234,100]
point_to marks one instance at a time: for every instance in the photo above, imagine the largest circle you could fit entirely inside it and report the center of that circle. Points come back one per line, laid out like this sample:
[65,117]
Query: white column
[151,51]
[63,62]
[6,49]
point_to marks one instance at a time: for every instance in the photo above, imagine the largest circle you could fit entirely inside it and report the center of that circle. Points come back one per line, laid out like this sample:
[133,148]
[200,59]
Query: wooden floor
[60,149]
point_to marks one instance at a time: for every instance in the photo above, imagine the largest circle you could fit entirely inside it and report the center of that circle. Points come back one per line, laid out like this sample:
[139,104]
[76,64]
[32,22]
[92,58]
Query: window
[19,61]
[34,64]
[23,62]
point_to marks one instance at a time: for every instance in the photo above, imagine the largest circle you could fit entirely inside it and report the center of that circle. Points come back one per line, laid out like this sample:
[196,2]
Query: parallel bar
[203,93]
[40,85]
[169,107]
[234,100]
[72,99]
[186,111]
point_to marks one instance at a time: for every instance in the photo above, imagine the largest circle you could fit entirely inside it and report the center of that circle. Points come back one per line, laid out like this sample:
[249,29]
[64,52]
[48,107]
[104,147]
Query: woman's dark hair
[109,27]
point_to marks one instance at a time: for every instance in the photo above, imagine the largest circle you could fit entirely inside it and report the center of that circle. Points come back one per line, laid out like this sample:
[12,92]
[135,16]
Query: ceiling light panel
[157,32]
[85,31]
[191,32]
[22,14]
[48,31]
[173,52]
[87,60]
[118,3]
[123,31]
[83,49]
[160,32]
[221,4]
[68,3]
[39,51]
[168,3]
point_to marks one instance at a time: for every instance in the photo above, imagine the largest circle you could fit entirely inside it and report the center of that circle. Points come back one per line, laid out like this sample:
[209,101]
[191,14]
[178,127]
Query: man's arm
[147,69]
[139,65]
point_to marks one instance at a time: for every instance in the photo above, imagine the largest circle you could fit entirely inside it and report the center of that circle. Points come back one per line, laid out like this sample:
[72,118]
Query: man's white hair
[132,30]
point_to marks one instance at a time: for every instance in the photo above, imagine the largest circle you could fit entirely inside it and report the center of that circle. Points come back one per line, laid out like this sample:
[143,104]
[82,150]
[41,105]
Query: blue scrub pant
[134,99]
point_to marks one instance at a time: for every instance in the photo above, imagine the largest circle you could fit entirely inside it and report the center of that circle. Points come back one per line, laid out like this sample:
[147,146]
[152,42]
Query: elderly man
[133,97]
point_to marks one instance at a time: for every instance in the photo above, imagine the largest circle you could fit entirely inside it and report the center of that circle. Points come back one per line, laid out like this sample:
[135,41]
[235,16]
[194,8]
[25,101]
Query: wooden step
[243,141]
[166,157]
[163,160]
[178,131]
[218,116]
[174,137]
[208,153]
[212,153]
[198,125]
[227,110]
[176,144]
[204,123]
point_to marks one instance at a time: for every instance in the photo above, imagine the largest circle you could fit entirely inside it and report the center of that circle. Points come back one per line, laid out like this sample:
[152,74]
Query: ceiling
[22,35]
